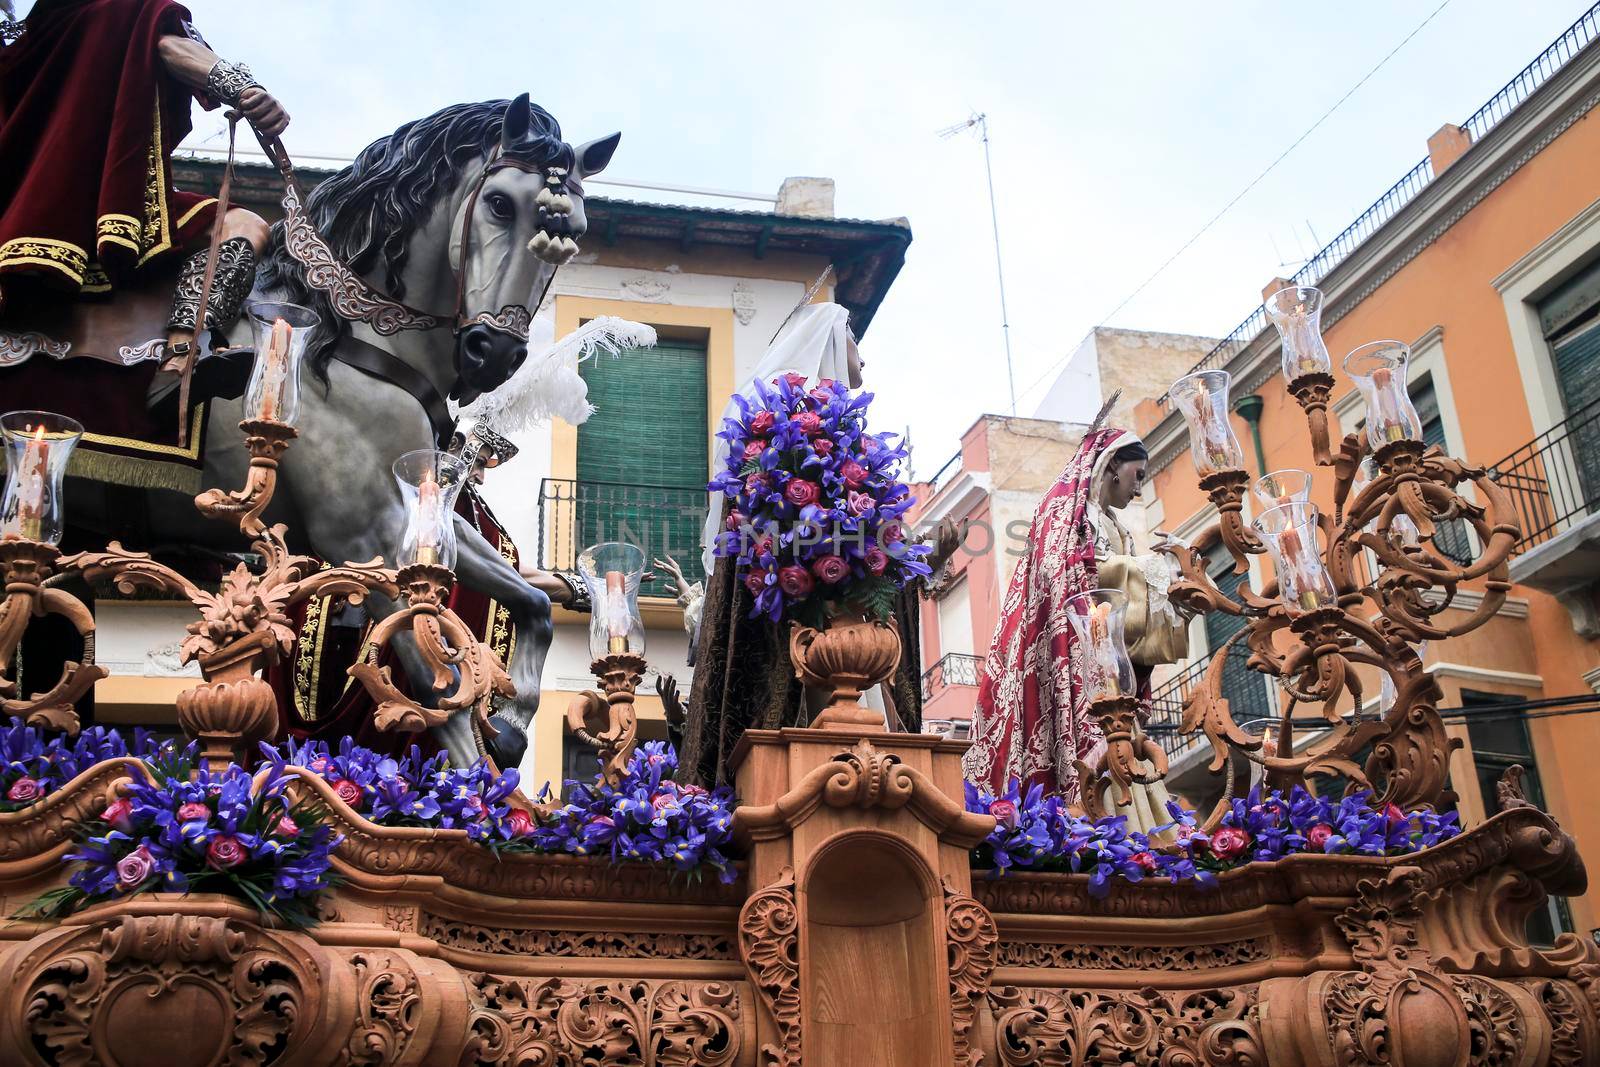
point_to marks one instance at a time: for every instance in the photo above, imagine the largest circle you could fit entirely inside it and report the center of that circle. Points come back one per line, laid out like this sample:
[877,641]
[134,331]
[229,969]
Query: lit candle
[31,485]
[1100,648]
[616,612]
[428,532]
[275,371]
[1292,549]
[1390,426]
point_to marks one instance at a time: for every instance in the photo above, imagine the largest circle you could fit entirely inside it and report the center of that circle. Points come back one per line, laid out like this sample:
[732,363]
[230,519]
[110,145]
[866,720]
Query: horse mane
[368,211]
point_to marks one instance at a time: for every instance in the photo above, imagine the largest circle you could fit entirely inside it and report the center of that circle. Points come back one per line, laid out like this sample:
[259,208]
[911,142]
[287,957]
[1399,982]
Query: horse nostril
[476,345]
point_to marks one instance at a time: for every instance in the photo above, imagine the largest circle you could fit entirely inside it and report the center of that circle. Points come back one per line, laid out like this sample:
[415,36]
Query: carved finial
[1509,790]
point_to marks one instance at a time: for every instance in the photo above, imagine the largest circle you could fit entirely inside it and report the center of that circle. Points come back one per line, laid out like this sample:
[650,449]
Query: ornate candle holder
[1202,398]
[606,719]
[1296,313]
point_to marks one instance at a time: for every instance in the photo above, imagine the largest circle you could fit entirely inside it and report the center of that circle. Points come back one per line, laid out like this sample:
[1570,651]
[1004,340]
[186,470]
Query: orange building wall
[1450,285]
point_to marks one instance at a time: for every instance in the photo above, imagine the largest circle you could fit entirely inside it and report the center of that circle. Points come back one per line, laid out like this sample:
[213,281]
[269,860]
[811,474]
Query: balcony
[956,668]
[1554,485]
[662,520]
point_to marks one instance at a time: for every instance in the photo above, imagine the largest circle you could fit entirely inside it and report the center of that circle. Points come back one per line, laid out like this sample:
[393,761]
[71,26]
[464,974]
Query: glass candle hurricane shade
[280,332]
[429,481]
[38,445]
[1296,313]
[1283,487]
[1097,620]
[1290,531]
[613,571]
[1379,371]
[1203,399]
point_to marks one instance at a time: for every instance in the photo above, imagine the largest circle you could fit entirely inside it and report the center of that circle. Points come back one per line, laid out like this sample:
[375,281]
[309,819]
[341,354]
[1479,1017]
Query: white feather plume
[548,384]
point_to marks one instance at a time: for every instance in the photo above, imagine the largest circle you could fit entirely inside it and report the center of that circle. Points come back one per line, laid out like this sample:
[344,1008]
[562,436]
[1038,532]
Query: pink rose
[822,446]
[321,764]
[798,381]
[347,791]
[831,569]
[761,422]
[1393,813]
[756,484]
[756,582]
[734,520]
[810,423]
[693,790]
[119,813]
[1229,842]
[25,790]
[476,806]
[892,532]
[753,449]
[193,811]
[286,827]
[877,561]
[1317,836]
[859,503]
[662,801]
[801,492]
[135,867]
[226,851]
[521,823]
[764,546]
[1145,860]
[796,581]
[822,392]
[1005,813]
[853,473]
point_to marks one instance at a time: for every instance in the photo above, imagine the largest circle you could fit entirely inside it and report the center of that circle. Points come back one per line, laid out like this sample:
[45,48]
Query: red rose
[822,445]
[853,473]
[796,581]
[1005,813]
[757,484]
[1393,813]
[753,449]
[796,380]
[822,392]
[801,492]
[877,560]
[761,422]
[810,423]
[756,582]
[831,569]
[521,823]
[735,520]
[119,813]
[1145,860]
[476,807]
[226,851]
[892,532]
[1229,842]
[25,790]
[859,504]
[193,812]
[347,791]
[286,827]
[764,546]
[1317,836]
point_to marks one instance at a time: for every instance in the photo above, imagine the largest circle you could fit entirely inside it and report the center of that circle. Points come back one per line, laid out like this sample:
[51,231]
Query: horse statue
[429,256]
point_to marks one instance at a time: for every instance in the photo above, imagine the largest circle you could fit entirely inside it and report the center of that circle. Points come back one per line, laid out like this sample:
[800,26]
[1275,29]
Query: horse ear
[596,155]
[519,118]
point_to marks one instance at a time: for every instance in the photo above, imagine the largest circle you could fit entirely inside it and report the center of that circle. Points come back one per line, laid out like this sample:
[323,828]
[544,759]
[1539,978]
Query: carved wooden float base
[857,935]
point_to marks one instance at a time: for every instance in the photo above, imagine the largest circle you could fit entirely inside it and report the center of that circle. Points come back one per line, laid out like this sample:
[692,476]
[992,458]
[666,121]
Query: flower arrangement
[204,832]
[32,765]
[815,522]
[647,818]
[413,791]
[1034,832]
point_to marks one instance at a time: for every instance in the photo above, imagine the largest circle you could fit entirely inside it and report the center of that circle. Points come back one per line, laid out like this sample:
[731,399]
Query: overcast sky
[1118,130]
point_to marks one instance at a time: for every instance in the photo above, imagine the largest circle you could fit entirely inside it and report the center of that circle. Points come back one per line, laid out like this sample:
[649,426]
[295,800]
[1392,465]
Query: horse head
[518,220]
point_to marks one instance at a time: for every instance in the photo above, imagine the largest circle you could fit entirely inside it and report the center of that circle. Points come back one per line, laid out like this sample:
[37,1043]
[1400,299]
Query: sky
[1117,132]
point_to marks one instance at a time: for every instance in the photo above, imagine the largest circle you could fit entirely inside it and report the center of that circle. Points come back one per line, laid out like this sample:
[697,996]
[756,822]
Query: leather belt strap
[370,359]
[187,370]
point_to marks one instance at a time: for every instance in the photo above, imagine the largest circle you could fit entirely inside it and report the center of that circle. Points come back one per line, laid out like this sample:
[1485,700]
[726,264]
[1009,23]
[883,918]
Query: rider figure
[94,97]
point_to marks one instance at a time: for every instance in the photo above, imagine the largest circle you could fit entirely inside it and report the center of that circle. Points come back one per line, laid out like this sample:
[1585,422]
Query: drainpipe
[1249,408]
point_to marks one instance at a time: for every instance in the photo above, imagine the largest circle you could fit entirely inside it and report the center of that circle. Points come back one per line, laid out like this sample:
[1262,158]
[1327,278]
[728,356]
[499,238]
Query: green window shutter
[1245,689]
[1449,538]
[643,460]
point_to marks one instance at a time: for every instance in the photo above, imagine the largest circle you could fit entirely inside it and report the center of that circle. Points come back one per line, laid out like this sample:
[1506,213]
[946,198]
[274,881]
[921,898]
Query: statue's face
[1123,482]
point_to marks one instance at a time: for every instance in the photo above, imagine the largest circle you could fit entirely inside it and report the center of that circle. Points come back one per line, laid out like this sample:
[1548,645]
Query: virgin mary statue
[1032,720]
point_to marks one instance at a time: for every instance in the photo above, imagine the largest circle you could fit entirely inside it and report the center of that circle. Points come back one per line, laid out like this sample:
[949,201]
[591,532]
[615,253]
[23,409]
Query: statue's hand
[263,112]
[667,690]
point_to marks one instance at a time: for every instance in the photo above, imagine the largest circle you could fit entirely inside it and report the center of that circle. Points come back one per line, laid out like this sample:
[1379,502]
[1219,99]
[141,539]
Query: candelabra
[605,719]
[244,626]
[1324,615]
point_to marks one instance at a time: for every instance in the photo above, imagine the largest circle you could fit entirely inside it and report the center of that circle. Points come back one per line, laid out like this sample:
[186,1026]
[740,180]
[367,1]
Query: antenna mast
[981,121]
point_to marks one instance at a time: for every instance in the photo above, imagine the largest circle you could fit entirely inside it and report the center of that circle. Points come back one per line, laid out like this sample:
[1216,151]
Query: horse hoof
[507,748]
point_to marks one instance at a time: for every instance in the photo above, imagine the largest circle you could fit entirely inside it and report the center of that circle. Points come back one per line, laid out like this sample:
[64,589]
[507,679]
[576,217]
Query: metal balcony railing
[1554,479]
[661,520]
[1245,689]
[1578,36]
[956,668]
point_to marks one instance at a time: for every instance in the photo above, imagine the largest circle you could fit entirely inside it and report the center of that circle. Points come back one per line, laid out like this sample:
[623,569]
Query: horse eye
[500,205]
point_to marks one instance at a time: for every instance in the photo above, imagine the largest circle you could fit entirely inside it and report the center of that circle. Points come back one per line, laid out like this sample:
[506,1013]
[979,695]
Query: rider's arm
[190,63]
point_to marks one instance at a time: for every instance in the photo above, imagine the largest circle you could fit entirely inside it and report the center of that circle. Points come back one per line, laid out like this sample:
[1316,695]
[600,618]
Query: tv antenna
[980,122]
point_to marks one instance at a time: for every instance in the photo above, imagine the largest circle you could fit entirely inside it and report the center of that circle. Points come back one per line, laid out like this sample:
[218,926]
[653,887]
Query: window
[642,477]
[955,620]
[1499,739]
[1570,321]
[1449,538]
[1246,690]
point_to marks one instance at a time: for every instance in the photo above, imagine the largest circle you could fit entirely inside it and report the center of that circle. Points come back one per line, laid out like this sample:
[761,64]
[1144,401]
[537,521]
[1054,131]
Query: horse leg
[480,567]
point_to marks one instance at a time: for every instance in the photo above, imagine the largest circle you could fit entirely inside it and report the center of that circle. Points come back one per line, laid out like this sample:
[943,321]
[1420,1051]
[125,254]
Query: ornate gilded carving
[1080,1027]
[389,997]
[769,941]
[1084,957]
[644,1023]
[605,719]
[586,944]
[25,566]
[1573,1037]
[36,830]
[970,939]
